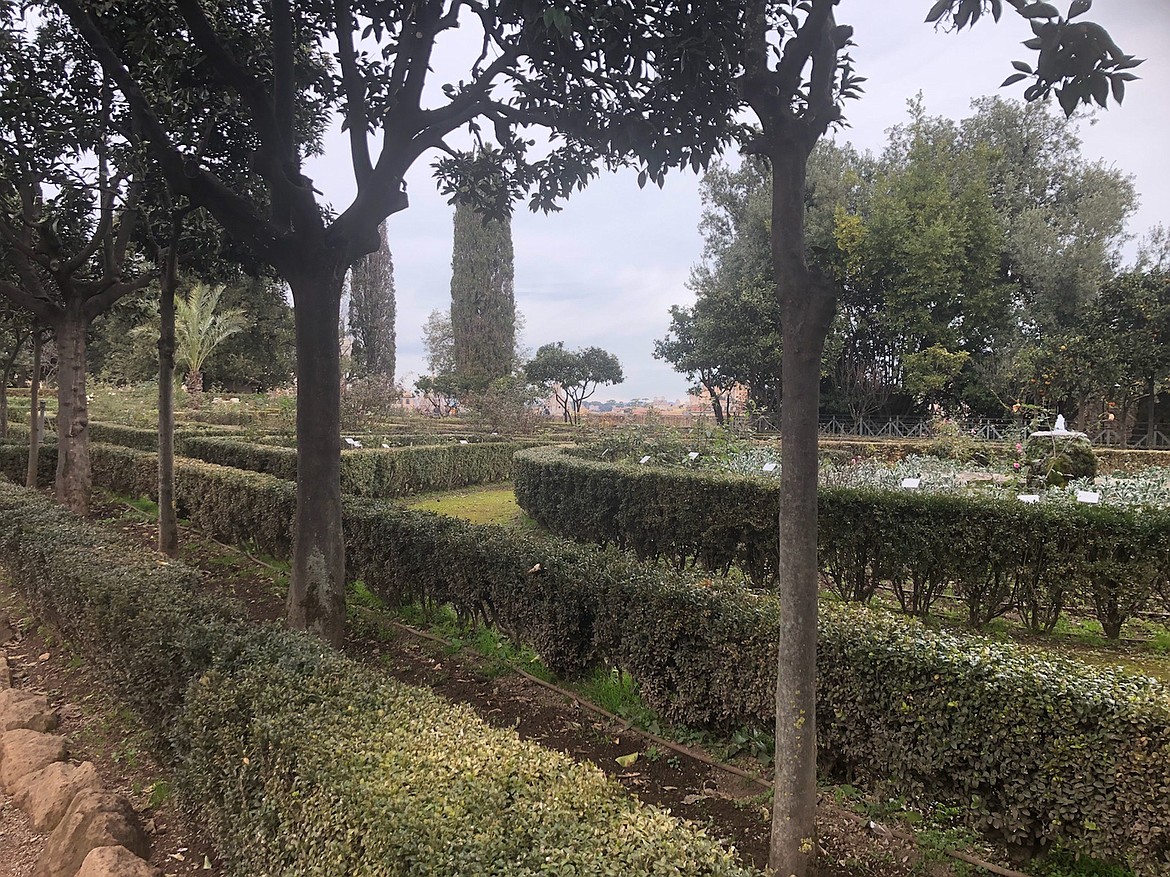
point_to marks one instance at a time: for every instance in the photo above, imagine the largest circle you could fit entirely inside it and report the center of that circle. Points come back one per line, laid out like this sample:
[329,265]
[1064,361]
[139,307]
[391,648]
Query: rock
[47,794]
[115,862]
[22,709]
[23,752]
[5,673]
[7,631]
[94,819]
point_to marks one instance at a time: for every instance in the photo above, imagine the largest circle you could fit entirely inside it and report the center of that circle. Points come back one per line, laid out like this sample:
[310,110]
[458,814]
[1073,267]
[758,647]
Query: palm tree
[199,330]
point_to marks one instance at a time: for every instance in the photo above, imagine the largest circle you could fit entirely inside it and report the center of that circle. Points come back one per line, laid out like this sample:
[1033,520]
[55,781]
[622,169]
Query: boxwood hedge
[993,554]
[378,472]
[1042,751]
[300,761]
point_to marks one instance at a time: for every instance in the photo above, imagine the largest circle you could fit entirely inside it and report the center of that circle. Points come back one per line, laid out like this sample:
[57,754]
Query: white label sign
[693,455]
[1089,496]
[1028,497]
[769,467]
[645,460]
[911,483]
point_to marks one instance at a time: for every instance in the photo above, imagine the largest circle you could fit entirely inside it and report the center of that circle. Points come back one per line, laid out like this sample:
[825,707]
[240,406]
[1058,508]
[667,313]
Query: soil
[731,806]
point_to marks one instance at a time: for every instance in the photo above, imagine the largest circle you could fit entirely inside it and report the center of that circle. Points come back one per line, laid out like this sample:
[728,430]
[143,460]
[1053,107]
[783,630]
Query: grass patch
[491,504]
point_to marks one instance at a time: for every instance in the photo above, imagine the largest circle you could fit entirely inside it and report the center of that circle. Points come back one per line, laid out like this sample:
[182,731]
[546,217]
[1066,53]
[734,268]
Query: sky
[606,269]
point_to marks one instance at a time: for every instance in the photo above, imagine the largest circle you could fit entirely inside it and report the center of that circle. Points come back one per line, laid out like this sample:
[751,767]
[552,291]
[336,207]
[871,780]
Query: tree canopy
[573,375]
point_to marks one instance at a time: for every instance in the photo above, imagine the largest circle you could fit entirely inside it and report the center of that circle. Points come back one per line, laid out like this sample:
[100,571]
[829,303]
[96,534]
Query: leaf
[937,10]
[642,179]
[627,760]
[1014,78]
[1068,99]
[1100,87]
[1022,66]
[1079,7]
[1034,43]
[1040,10]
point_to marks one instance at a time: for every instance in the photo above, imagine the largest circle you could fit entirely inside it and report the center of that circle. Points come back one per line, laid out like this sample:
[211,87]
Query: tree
[439,343]
[796,99]
[200,327]
[371,311]
[262,355]
[1132,317]
[1063,217]
[922,266]
[483,306]
[613,86]
[574,375]
[687,348]
[68,209]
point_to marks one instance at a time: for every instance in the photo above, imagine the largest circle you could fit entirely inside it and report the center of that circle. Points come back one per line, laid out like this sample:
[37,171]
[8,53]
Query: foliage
[1039,749]
[574,375]
[483,306]
[994,553]
[200,327]
[376,472]
[245,709]
[1056,460]
[262,356]
[371,312]
[968,257]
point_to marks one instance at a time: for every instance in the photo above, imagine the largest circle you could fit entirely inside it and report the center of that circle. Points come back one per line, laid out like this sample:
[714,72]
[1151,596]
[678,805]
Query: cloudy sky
[606,269]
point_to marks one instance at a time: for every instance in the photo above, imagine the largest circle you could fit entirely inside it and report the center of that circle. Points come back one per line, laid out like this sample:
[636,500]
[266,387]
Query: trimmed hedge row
[377,472]
[147,439]
[1043,751]
[994,555]
[300,761]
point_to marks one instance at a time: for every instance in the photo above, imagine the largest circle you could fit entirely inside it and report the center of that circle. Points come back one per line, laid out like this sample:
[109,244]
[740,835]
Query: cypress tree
[483,305]
[372,311]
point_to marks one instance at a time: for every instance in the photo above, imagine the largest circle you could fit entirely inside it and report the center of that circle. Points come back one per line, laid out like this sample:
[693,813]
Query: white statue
[1060,425]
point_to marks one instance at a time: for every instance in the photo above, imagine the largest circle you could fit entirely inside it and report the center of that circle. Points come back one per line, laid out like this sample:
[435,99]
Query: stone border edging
[92,832]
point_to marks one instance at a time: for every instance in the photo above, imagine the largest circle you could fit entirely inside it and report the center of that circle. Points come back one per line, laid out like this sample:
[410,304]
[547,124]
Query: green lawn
[490,504]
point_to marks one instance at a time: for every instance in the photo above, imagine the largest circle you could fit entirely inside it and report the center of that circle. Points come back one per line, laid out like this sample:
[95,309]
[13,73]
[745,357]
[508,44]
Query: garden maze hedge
[993,555]
[300,761]
[1041,751]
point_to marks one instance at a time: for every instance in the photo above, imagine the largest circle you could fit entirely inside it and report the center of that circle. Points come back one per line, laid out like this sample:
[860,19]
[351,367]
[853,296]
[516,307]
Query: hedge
[993,554]
[300,761]
[1043,751]
[377,472]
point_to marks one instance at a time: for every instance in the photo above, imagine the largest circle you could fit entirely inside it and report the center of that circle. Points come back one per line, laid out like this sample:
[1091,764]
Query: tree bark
[807,305]
[73,473]
[316,597]
[168,524]
[4,379]
[1151,389]
[35,426]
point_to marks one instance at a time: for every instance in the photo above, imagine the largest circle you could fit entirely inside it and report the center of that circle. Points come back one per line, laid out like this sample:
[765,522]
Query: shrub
[1043,751]
[996,554]
[377,472]
[300,761]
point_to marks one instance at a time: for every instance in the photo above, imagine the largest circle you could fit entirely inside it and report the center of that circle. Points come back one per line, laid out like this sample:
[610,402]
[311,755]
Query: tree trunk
[807,305]
[4,379]
[168,525]
[716,404]
[194,381]
[1151,432]
[35,425]
[73,473]
[316,597]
